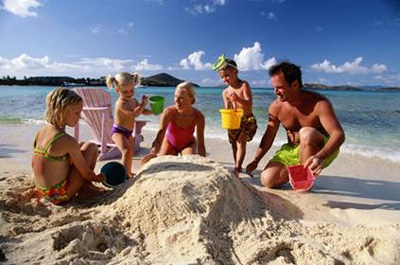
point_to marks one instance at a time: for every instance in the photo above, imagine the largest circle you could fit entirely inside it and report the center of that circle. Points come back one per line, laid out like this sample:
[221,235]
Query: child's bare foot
[29,194]
[236,171]
[131,176]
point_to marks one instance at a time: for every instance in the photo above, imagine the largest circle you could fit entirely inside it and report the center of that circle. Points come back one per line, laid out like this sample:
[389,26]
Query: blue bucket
[115,174]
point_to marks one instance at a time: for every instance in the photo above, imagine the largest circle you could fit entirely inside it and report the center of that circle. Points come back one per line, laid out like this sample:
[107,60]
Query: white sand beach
[191,210]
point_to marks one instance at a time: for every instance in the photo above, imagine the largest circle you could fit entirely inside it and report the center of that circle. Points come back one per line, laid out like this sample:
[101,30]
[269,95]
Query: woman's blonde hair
[59,103]
[121,79]
[190,89]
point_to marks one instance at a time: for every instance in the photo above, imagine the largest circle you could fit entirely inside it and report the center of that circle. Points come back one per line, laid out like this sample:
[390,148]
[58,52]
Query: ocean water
[371,120]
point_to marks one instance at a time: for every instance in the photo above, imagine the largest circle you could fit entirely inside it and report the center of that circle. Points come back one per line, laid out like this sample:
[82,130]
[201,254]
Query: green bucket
[157,104]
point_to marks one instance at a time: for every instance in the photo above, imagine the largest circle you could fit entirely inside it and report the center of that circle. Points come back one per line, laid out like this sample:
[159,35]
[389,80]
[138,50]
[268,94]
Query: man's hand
[315,164]
[250,168]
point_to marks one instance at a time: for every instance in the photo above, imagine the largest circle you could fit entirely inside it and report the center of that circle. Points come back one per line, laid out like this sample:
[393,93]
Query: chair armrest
[96,108]
[139,124]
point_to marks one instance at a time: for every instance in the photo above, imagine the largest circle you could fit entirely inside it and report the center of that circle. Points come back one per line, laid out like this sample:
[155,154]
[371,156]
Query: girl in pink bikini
[177,126]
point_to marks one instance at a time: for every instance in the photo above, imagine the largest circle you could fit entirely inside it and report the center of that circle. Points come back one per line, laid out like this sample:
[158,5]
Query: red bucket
[301,178]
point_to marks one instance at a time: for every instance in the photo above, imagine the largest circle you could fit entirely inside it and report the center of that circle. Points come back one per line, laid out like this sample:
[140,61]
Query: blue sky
[355,42]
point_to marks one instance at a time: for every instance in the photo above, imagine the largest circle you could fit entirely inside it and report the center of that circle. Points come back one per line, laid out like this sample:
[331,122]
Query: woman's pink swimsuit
[179,137]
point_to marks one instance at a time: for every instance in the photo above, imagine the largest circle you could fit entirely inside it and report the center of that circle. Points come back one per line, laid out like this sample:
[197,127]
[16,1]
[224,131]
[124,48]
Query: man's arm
[268,138]
[156,145]
[332,126]
[266,141]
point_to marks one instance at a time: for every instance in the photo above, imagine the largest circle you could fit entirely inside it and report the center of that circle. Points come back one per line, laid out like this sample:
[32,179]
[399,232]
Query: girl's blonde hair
[59,103]
[122,79]
[190,89]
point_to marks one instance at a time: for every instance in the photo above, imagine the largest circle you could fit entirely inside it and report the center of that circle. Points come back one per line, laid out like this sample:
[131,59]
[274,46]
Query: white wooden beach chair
[98,114]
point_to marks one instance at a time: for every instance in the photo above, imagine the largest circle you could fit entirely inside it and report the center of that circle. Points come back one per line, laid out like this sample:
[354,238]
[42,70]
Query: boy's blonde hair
[190,89]
[59,103]
[121,79]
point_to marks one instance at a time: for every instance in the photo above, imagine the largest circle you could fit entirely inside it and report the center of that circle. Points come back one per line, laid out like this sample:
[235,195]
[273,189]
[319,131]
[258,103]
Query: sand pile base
[180,210]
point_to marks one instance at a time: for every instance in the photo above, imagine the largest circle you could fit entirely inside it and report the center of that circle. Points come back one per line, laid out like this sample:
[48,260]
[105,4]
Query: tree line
[51,81]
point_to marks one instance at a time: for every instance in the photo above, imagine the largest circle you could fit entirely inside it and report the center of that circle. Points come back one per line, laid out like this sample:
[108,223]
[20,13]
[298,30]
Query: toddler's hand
[145,100]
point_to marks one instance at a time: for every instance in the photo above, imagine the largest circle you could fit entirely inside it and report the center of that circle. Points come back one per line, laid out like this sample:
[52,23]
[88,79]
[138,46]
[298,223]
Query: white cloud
[392,80]
[124,30]
[260,83]
[212,82]
[94,29]
[102,64]
[251,58]
[354,67]
[145,66]
[22,8]
[378,68]
[269,15]
[27,65]
[193,61]
[204,7]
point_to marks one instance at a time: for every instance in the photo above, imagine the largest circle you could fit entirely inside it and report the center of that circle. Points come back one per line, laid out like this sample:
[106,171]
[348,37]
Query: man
[314,133]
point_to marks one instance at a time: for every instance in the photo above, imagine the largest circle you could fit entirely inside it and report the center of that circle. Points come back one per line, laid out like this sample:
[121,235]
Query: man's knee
[310,136]
[274,175]
[266,179]
[270,179]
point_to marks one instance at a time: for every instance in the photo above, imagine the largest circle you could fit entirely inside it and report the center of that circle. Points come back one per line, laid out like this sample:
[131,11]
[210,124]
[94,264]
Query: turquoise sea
[371,120]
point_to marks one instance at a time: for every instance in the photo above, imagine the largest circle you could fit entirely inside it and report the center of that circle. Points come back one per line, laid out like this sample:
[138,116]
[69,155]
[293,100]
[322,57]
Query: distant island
[314,86]
[160,80]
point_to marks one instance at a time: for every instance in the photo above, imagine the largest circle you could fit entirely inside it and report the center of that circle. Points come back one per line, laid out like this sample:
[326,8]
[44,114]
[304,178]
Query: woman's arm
[200,125]
[156,145]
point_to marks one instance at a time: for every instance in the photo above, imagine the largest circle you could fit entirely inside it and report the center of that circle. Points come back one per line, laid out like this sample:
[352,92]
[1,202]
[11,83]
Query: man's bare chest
[294,119]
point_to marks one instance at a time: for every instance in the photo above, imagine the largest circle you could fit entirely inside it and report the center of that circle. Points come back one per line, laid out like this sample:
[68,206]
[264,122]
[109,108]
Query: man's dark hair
[290,71]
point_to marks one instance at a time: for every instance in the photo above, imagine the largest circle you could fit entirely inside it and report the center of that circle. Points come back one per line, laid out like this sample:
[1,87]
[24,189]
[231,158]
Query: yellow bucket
[230,119]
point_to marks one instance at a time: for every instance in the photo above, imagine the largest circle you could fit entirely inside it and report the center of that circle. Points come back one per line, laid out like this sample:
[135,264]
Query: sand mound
[181,210]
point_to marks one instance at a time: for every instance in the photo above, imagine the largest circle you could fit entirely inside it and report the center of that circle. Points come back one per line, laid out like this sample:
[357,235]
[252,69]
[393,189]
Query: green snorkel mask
[221,63]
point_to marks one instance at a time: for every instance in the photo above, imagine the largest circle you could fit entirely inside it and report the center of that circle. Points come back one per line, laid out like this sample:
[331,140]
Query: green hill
[162,80]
